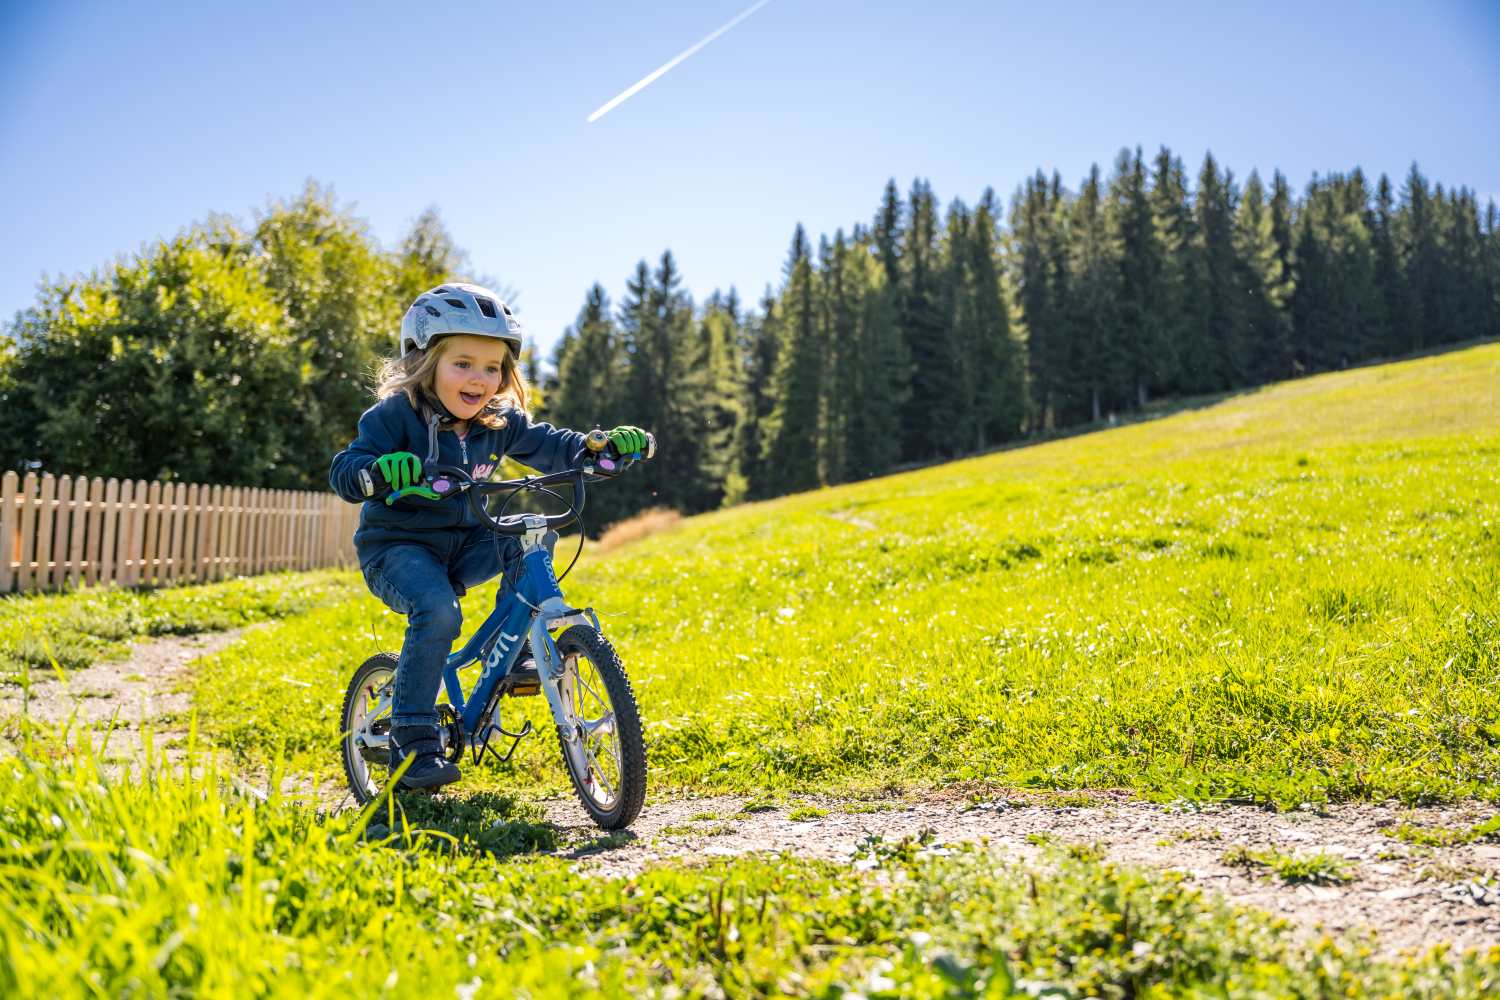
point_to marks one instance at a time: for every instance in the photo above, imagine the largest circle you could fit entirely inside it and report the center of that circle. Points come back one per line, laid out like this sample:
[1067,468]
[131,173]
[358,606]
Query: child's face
[469,372]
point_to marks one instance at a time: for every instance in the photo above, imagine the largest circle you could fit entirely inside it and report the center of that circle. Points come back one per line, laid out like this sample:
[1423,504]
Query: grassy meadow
[1291,595]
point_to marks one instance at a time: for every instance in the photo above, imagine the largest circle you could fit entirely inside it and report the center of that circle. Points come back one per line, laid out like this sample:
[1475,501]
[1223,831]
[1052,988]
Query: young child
[454,396]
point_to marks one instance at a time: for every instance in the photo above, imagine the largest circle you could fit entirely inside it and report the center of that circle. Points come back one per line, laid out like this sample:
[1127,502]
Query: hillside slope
[1286,596]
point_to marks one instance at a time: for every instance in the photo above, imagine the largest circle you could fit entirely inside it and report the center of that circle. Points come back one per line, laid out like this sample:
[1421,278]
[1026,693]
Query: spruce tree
[1388,274]
[1268,324]
[1417,245]
[792,433]
[588,391]
[927,430]
[1217,355]
[958,412]
[882,364]
[1169,315]
[762,356]
[999,393]
[1141,340]
[1094,304]
[1030,266]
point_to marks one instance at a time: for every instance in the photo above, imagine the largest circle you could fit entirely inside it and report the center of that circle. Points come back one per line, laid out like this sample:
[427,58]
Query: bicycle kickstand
[489,734]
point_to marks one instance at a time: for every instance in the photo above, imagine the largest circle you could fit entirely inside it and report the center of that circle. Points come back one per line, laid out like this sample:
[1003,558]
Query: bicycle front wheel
[606,756]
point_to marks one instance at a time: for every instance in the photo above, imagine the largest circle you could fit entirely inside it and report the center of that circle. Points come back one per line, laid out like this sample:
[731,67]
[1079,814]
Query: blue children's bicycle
[579,672]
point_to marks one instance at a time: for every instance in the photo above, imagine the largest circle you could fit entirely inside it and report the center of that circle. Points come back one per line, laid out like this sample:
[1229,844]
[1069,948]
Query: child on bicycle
[454,395]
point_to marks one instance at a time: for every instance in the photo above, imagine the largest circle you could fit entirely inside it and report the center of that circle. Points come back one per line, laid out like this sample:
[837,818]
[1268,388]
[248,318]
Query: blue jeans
[418,579]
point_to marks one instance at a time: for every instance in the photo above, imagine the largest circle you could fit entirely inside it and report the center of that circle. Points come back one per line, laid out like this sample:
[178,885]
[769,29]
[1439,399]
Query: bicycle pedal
[524,681]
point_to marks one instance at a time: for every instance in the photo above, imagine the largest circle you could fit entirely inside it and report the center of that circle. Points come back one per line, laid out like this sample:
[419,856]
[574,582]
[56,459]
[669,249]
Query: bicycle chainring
[448,720]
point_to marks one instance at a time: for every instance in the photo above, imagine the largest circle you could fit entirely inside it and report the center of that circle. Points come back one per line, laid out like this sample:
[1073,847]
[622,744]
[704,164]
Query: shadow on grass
[492,823]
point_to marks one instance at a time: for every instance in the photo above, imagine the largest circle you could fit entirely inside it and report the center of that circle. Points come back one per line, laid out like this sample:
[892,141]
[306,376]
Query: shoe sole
[430,783]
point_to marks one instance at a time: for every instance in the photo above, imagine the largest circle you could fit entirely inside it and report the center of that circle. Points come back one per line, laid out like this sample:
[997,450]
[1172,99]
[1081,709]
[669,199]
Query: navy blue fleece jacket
[393,425]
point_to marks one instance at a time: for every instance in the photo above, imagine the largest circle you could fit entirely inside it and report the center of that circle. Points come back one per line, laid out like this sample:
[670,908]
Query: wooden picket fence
[57,532]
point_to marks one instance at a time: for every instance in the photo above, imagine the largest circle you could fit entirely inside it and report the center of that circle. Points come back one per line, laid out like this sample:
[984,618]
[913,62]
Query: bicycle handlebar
[445,480]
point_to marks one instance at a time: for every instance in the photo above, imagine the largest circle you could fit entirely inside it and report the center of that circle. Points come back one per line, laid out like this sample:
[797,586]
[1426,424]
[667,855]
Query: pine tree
[762,352]
[722,398]
[1417,245]
[590,370]
[1464,271]
[843,360]
[1388,274]
[1094,305]
[1169,315]
[1492,269]
[999,392]
[958,412]
[1141,339]
[1030,264]
[1217,355]
[882,364]
[928,416]
[1268,324]
[792,430]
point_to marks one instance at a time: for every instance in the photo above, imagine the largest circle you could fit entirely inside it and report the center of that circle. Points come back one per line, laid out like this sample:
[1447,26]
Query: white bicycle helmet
[458,308]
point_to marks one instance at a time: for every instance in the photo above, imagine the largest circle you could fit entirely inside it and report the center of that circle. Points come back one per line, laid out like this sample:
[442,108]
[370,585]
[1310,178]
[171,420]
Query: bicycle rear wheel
[608,760]
[366,725]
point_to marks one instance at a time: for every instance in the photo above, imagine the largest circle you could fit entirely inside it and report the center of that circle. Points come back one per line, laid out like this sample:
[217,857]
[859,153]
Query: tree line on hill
[926,335]
[243,354]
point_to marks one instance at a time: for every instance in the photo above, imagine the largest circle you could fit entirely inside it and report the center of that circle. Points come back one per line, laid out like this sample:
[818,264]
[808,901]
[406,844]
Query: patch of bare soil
[1411,897]
[150,686]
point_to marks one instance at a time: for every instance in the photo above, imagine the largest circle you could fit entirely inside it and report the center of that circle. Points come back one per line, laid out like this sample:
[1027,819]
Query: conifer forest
[923,333]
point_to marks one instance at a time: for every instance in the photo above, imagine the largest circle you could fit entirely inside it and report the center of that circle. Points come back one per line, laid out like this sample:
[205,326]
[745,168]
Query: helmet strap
[435,405]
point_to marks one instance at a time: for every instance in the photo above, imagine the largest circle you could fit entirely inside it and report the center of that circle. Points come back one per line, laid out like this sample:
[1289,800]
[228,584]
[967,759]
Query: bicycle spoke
[595,769]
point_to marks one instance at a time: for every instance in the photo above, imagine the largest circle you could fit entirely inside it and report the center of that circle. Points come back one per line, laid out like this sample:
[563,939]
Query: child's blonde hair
[413,376]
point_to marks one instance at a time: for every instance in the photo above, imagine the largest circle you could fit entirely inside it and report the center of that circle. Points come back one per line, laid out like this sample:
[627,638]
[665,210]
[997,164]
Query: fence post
[25,572]
[254,534]
[10,540]
[95,524]
[57,570]
[43,571]
[209,550]
[76,530]
[178,552]
[153,531]
[138,549]
[237,517]
[193,516]
[107,571]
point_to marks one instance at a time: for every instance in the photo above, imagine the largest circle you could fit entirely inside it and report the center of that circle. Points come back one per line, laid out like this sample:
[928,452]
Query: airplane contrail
[660,71]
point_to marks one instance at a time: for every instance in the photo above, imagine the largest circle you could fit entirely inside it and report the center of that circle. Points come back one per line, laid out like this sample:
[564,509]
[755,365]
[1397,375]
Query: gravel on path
[1412,897]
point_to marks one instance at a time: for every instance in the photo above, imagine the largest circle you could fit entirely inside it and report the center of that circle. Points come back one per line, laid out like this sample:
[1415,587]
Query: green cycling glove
[400,469]
[628,440]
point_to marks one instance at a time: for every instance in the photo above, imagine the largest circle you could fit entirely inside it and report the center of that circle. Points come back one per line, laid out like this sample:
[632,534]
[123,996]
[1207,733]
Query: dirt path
[1412,897]
[149,686]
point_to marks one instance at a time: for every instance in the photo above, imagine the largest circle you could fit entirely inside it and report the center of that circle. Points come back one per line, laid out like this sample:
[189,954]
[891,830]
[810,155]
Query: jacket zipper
[463,447]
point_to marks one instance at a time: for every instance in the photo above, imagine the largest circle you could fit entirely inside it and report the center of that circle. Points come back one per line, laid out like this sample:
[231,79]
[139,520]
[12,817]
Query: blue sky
[121,123]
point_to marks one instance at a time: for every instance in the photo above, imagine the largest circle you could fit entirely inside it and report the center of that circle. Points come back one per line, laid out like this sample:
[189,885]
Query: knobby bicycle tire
[381,661]
[590,643]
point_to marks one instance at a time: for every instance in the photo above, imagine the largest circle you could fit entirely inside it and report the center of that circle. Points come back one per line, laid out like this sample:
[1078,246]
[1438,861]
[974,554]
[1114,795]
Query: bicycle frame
[535,607]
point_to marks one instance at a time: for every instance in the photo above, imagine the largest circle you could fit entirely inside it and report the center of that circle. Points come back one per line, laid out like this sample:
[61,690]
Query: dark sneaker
[429,769]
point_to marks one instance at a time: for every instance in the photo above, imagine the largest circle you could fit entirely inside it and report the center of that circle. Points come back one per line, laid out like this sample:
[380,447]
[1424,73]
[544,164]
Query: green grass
[76,628]
[1447,836]
[806,814]
[161,884]
[1318,867]
[1290,596]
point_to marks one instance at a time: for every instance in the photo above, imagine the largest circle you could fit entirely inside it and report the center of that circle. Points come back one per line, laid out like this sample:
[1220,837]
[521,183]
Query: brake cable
[577,517]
